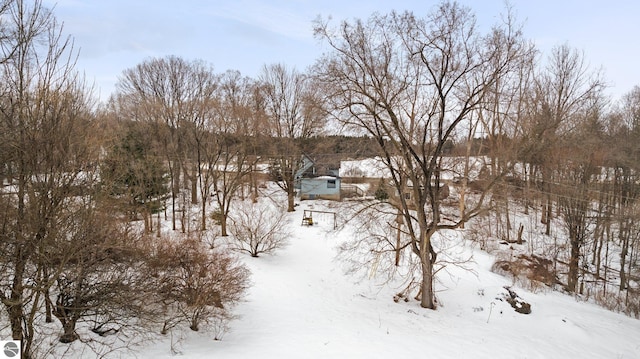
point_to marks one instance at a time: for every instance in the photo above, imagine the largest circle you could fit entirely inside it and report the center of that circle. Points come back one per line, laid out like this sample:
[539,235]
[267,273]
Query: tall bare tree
[497,126]
[291,106]
[410,83]
[580,162]
[233,124]
[99,280]
[562,91]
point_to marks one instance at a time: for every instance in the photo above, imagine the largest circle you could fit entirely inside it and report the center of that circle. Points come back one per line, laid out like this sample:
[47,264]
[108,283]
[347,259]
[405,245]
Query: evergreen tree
[135,175]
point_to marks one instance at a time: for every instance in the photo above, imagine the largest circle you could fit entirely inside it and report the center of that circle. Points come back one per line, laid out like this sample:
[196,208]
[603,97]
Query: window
[331,183]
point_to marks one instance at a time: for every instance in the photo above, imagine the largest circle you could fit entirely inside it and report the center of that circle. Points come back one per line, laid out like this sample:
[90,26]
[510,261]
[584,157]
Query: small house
[317,181]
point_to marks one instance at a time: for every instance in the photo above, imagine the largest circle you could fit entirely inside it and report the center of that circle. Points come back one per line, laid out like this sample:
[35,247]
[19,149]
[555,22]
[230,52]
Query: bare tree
[410,83]
[577,177]
[561,92]
[258,228]
[99,280]
[291,103]
[496,124]
[565,106]
[233,124]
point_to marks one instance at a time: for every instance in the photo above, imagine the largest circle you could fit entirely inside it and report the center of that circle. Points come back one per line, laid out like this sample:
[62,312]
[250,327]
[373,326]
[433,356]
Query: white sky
[244,35]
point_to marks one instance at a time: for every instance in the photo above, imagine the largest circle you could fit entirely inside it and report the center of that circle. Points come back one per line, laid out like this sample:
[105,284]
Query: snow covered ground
[302,305]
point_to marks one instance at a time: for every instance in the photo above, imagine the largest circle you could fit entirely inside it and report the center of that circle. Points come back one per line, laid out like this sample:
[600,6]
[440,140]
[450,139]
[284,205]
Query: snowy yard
[302,305]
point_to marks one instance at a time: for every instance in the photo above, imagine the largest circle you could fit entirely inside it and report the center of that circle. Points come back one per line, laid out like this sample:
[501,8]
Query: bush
[381,193]
[258,228]
[217,216]
[195,284]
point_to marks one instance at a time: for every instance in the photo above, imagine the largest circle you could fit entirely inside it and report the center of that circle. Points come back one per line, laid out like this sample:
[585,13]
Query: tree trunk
[183,218]
[158,225]
[606,261]
[173,200]
[623,257]
[426,287]
[520,231]
[291,199]
[223,224]
[145,216]
[47,297]
[16,304]
[572,279]
[254,185]
[195,322]
[194,184]
[598,262]
[527,190]
[47,305]
[204,214]
[461,204]
[549,215]
[399,221]
[629,268]
[69,334]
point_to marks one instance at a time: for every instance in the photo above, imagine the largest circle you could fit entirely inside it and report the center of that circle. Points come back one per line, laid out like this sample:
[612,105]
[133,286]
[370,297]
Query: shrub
[196,284]
[381,193]
[258,228]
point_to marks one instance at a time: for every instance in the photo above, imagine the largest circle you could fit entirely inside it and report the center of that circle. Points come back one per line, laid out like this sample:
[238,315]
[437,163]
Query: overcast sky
[243,35]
